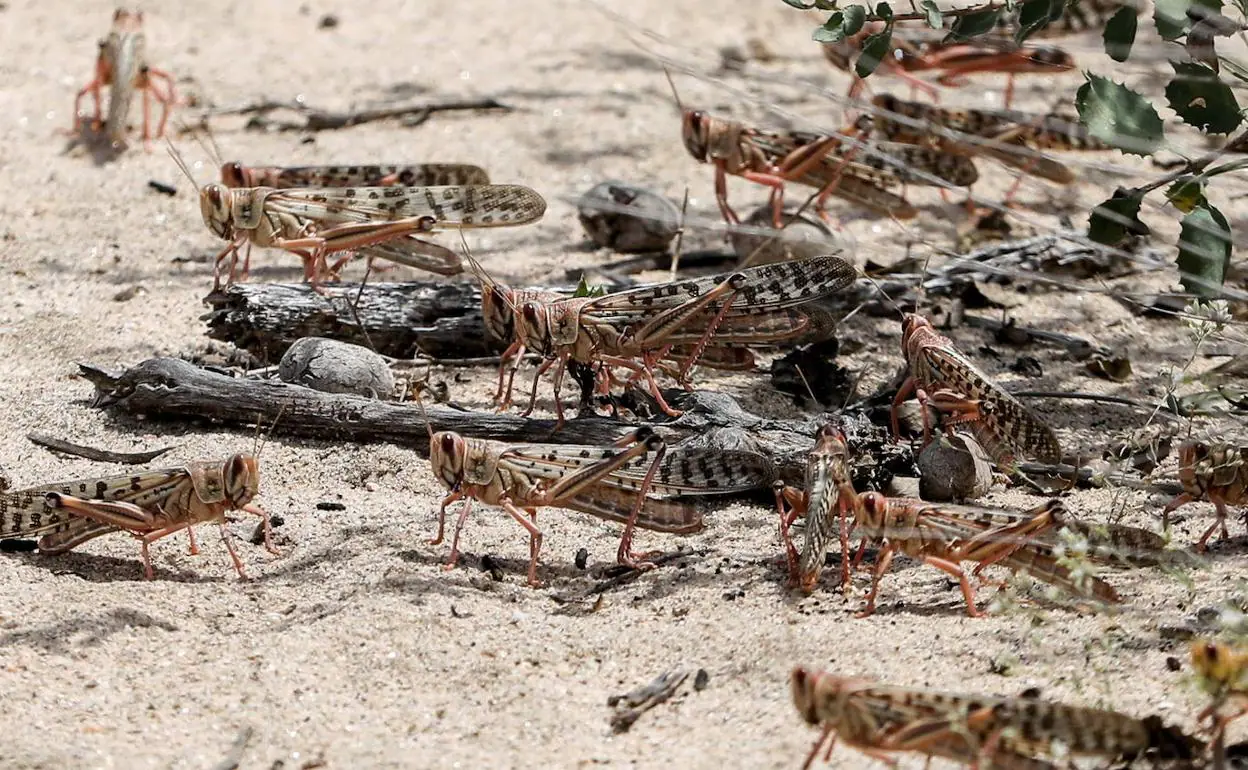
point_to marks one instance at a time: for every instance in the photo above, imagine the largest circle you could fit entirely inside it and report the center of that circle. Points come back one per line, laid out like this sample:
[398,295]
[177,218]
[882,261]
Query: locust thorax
[446,456]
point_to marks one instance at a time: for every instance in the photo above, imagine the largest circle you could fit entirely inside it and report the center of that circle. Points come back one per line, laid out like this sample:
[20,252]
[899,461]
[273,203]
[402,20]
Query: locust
[628,482]
[1006,136]
[1214,472]
[828,495]
[825,162]
[149,505]
[947,380]
[235,174]
[375,222]
[122,66]
[942,538]
[1019,733]
[952,60]
[676,325]
[1222,673]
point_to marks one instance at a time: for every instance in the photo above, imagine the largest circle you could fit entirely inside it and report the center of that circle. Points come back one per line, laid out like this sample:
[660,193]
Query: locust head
[447,451]
[242,479]
[823,698]
[695,131]
[498,311]
[533,327]
[216,206]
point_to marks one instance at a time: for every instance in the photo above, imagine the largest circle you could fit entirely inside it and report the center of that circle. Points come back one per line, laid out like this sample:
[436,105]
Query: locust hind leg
[968,593]
[535,539]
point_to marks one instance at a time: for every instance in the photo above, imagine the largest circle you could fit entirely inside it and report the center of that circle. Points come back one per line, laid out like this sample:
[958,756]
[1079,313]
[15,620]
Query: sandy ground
[354,648]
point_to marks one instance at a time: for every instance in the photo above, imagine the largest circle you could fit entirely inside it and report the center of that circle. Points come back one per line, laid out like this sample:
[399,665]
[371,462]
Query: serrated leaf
[1204,251]
[1035,15]
[1111,222]
[1186,193]
[832,30]
[1201,99]
[799,5]
[1119,34]
[1118,116]
[973,25]
[931,14]
[884,12]
[1172,18]
[855,17]
[874,49]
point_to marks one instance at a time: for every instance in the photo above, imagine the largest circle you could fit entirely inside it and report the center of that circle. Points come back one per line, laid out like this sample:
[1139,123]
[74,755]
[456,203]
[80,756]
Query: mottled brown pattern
[1015,733]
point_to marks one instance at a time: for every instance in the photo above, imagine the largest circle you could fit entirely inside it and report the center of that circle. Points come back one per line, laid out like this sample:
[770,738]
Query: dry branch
[172,389]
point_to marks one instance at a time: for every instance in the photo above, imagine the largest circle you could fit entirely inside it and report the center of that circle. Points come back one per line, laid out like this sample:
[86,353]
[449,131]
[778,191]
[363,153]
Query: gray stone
[331,366]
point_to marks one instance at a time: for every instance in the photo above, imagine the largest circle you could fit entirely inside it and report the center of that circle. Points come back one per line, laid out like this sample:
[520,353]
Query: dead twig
[625,575]
[314,119]
[630,706]
[91,453]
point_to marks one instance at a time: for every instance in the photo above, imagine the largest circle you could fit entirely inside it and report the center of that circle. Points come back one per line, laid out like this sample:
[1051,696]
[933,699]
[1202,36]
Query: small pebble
[628,219]
[954,468]
[331,366]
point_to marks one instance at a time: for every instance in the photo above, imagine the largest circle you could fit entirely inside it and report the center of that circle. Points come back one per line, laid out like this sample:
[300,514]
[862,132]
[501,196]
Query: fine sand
[355,648]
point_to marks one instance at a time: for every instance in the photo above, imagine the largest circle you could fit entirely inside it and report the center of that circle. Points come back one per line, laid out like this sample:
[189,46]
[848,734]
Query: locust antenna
[675,95]
[178,159]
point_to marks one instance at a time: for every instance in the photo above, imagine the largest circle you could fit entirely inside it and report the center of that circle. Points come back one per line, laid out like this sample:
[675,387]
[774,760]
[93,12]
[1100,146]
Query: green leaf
[973,25]
[1204,251]
[874,50]
[826,5]
[1035,15]
[1111,222]
[855,17]
[884,13]
[583,289]
[1120,31]
[1172,19]
[832,30]
[799,5]
[1201,99]
[931,13]
[1118,116]
[1186,193]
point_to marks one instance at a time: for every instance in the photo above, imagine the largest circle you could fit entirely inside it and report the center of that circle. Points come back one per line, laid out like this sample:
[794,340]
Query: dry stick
[630,706]
[91,453]
[173,389]
[1169,412]
[627,575]
[321,120]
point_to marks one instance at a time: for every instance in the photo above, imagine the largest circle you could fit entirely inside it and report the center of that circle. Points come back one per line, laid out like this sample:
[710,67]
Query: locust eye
[448,444]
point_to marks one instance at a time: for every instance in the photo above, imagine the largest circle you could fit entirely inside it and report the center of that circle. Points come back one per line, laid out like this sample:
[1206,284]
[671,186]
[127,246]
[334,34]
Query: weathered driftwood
[402,320]
[172,389]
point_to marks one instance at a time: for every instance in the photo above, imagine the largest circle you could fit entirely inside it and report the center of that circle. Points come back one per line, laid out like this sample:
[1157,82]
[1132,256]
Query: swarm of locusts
[652,337]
